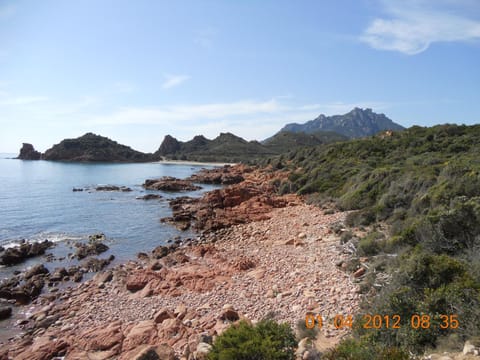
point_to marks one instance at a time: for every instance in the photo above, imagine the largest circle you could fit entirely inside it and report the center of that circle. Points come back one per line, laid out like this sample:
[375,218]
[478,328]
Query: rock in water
[28,152]
[169,183]
[16,255]
[94,246]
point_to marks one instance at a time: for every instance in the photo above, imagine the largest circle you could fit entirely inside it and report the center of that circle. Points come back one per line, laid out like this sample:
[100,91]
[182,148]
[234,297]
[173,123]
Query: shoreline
[271,255]
[193,163]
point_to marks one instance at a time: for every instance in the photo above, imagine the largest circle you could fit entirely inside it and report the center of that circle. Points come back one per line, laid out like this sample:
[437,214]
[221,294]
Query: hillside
[91,147]
[416,193]
[286,140]
[355,124]
[224,148]
[230,148]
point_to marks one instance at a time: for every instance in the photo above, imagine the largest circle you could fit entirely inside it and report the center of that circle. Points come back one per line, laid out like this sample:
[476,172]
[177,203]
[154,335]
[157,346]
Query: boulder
[94,247]
[59,274]
[150,352]
[104,277]
[95,265]
[101,338]
[5,312]
[143,332]
[36,270]
[18,254]
[163,314]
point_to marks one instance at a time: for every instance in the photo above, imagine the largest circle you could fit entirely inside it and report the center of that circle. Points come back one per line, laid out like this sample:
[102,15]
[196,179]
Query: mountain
[286,140]
[355,124]
[224,148]
[92,147]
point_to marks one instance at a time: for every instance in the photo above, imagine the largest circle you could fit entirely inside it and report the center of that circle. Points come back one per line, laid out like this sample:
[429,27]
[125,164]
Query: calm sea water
[37,203]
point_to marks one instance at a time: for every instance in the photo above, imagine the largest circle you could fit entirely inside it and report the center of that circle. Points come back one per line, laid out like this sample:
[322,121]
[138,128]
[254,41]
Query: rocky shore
[257,254]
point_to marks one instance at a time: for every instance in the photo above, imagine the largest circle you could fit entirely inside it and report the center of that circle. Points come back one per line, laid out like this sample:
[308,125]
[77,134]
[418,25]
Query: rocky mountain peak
[169,146]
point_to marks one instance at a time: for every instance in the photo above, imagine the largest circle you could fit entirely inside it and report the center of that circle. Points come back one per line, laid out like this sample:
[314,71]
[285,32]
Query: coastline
[271,255]
[193,163]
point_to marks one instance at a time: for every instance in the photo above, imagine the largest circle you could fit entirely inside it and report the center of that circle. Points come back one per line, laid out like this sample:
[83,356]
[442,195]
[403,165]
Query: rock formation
[91,147]
[356,123]
[28,152]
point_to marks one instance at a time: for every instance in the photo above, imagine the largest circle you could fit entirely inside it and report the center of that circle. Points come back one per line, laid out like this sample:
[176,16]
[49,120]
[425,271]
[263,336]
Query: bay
[37,203]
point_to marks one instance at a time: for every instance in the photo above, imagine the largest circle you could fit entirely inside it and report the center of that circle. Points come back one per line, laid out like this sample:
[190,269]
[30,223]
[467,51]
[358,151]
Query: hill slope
[230,148]
[91,147]
[355,124]
[224,148]
[286,140]
[419,190]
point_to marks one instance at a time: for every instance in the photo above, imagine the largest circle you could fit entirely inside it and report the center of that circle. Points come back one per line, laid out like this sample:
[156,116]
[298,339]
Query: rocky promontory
[28,152]
[87,148]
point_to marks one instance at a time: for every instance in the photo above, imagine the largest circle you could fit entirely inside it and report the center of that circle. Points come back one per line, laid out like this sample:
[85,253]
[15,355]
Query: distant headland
[226,148]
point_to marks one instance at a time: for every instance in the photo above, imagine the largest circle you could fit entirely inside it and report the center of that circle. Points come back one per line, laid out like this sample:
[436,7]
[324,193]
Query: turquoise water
[37,203]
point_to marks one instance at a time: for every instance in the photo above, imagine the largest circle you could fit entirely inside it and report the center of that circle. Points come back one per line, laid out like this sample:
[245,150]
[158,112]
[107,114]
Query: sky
[136,71]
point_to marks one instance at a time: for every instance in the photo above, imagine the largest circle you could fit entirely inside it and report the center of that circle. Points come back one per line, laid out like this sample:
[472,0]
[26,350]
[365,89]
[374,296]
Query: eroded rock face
[226,175]
[169,183]
[243,202]
[28,152]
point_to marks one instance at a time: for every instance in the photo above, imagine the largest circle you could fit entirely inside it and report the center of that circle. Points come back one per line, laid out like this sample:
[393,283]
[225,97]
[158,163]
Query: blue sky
[137,70]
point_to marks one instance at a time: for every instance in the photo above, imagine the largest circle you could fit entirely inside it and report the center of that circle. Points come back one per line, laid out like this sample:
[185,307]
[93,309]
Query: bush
[371,244]
[351,349]
[266,340]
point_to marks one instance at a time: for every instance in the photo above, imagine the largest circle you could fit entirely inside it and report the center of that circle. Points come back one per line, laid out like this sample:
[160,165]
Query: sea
[37,202]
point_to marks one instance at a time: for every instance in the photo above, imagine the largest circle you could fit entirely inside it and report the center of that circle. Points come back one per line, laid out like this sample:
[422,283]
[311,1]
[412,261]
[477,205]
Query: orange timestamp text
[368,321]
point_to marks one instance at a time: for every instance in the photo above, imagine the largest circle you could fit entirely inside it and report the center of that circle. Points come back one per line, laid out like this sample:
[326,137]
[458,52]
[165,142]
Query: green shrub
[371,244]
[265,340]
[351,349]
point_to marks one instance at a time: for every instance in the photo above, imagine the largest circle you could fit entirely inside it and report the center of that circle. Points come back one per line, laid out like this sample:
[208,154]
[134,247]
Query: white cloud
[413,25]
[249,118]
[174,80]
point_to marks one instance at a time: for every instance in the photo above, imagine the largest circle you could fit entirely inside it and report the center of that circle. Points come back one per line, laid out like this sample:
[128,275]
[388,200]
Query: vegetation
[230,148]
[91,147]
[423,184]
[265,340]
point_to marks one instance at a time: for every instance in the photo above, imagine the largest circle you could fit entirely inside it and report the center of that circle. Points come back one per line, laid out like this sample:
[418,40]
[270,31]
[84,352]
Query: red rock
[149,352]
[138,280]
[42,348]
[144,332]
[162,315]
[359,272]
[101,338]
